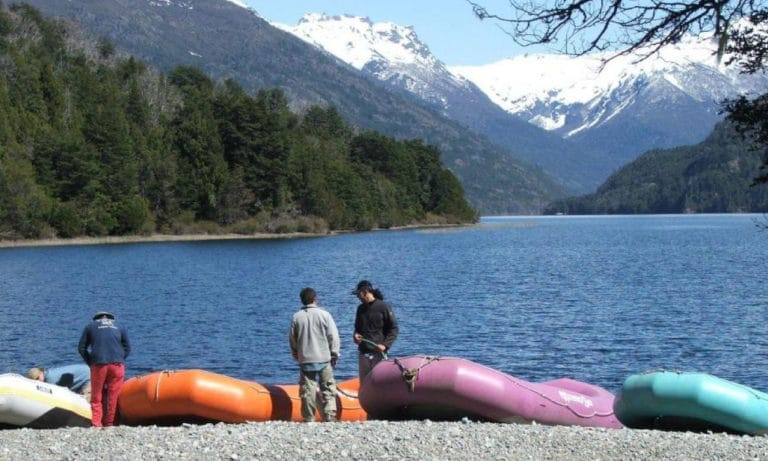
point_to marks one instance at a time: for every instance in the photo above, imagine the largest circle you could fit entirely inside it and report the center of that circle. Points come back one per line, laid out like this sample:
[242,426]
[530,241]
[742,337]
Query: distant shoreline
[156,238]
[120,239]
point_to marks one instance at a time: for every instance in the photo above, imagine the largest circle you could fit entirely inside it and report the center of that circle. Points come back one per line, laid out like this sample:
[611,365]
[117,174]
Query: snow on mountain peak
[592,100]
[240,3]
[542,88]
[513,82]
[358,41]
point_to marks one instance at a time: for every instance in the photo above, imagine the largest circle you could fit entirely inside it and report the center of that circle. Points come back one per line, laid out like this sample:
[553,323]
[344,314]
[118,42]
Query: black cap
[106,314]
[363,285]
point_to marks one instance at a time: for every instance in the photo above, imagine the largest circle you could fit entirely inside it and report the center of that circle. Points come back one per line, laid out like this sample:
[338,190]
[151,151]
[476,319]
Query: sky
[448,27]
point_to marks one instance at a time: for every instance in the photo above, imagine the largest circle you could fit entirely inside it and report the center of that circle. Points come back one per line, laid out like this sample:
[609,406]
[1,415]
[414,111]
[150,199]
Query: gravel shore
[374,440]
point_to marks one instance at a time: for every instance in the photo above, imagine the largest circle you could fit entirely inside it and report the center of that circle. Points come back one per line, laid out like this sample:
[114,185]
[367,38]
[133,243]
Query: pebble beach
[374,440]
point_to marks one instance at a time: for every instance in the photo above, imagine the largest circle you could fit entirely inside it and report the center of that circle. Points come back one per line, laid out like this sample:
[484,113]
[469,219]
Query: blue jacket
[75,377]
[104,341]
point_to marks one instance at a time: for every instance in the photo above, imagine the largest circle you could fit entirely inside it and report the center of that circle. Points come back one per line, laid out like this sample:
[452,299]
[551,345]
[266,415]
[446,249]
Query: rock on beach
[374,440]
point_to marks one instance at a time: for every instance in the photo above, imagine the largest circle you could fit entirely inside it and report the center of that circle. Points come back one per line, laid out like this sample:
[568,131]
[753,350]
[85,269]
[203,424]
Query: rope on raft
[411,375]
[157,383]
[565,404]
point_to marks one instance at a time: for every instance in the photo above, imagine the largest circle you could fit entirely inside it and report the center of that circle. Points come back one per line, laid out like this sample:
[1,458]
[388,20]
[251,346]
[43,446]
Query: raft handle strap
[157,383]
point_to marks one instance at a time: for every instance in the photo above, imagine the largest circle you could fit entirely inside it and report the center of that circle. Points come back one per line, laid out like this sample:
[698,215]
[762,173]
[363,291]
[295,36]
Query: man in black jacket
[375,327]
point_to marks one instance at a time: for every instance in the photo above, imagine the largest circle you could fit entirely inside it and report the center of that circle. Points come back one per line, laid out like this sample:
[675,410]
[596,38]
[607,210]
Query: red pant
[105,379]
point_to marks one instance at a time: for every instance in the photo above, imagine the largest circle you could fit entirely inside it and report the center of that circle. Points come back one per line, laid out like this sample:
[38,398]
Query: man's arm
[391,328]
[292,342]
[126,343]
[82,347]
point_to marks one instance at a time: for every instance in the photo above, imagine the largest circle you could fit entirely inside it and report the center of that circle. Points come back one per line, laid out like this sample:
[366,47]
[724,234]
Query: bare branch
[624,26]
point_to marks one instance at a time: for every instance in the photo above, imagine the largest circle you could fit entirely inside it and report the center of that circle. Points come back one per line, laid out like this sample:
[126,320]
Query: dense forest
[715,176]
[95,143]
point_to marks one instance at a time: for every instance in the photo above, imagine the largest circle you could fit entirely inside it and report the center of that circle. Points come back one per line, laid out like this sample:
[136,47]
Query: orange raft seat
[198,396]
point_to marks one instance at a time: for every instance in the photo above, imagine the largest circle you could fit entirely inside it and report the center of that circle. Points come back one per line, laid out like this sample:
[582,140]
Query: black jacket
[377,323]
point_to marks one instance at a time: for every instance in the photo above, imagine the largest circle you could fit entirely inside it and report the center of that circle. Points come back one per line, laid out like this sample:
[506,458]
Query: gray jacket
[313,337]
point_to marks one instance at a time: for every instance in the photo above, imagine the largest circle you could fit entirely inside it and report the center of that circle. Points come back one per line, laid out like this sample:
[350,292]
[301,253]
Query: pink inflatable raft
[449,388]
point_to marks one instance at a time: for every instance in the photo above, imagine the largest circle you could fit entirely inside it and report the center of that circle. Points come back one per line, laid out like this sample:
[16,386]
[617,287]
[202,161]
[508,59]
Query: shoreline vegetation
[193,237]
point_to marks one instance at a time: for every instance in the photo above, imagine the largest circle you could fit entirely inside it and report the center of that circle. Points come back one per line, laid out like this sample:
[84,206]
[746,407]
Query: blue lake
[591,298]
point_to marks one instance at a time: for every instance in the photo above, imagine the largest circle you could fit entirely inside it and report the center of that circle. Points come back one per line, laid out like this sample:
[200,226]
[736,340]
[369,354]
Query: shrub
[66,220]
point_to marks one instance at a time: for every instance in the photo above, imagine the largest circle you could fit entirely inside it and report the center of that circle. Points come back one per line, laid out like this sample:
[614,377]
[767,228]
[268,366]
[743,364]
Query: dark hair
[365,285]
[308,295]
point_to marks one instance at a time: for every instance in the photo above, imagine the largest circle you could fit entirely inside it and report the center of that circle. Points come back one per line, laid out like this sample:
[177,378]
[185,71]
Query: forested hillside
[226,41]
[715,176]
[92,143]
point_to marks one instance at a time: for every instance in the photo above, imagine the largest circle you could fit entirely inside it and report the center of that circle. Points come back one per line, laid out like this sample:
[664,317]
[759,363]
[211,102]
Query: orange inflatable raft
[198,396]
[286,403]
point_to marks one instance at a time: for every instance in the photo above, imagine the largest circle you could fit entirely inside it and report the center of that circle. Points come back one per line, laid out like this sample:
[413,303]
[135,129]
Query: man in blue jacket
[104,346]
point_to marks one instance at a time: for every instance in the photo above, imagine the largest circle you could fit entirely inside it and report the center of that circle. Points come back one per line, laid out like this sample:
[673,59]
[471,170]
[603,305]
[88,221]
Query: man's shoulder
[306,312]
[322,312]
[381,304]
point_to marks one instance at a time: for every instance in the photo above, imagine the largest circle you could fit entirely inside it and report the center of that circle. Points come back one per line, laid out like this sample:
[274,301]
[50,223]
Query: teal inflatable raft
[691,402]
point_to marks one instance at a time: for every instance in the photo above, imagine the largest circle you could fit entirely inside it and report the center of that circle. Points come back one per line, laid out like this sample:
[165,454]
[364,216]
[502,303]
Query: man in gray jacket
[315,344]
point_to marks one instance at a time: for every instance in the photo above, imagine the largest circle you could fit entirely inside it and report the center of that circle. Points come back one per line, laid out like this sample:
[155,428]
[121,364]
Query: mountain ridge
[605,114]
[395,55]
[714,176]
[593,102]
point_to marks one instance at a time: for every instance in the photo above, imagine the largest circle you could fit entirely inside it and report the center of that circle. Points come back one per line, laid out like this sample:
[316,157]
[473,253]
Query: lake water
[591,298]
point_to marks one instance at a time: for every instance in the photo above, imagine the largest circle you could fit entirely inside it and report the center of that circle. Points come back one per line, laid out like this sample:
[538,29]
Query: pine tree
[202,169]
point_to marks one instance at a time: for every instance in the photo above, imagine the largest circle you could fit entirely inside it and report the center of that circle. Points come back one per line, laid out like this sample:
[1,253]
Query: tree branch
[625,26]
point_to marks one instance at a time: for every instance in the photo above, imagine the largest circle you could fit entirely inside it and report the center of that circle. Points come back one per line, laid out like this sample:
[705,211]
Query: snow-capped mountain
[390,52]
[395,55]
[609,113]
[625,105]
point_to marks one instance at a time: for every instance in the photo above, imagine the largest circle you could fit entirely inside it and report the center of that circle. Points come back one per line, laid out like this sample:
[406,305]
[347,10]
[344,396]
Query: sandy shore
[200,237]
[374,440]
